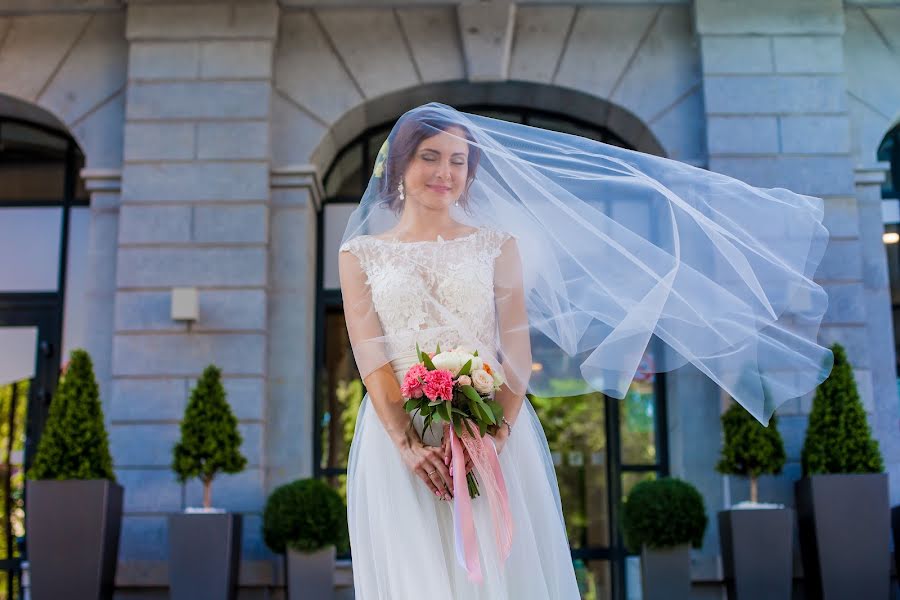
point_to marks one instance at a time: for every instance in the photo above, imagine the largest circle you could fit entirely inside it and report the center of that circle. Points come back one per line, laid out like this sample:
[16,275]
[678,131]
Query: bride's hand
[427,463]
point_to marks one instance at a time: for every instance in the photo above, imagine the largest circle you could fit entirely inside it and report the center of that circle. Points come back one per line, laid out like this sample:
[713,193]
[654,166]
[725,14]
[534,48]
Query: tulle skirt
[401,534]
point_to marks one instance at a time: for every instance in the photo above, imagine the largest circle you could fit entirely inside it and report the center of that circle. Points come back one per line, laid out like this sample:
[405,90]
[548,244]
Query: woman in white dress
[509,240]
[399,486]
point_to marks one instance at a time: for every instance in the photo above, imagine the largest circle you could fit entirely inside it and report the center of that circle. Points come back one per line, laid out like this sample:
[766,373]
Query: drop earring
[400,191]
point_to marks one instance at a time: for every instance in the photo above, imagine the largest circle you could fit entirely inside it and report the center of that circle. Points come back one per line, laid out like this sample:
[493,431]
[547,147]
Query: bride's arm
[512,323]
[368,342]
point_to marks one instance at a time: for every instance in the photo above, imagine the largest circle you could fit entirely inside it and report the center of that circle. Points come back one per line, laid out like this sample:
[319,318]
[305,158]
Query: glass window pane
[565,127]
[576,433]
[340,393]
[637,422]
[29,243]
[74,315]
[632,478]
[336,216]
[594,582]
[31,181]
[345,178]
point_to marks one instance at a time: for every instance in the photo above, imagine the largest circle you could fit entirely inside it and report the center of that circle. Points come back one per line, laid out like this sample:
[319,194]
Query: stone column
[104,185]
[296,199]
[194,212]
[776,109]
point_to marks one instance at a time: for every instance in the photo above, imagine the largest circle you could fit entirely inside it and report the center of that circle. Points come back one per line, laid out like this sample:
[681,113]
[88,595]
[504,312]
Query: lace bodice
[430,292]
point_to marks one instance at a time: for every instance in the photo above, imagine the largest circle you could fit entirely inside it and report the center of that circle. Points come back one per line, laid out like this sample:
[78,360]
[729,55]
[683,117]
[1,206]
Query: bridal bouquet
[457,387]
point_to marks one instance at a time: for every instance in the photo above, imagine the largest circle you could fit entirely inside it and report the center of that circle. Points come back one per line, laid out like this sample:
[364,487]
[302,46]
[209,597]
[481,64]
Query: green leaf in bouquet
[411,405]
[428,364]
[444,411]
[497,409]
[478,411]
[427,423]
[475,353]
[437,348]
[435,402]
[418,352]
[468,428]
[470,392]
[457,426]
[466,368]
[487,413]
[482,428]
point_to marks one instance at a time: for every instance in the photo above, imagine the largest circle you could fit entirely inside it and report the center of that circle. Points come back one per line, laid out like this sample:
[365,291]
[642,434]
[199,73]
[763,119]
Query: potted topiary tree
[662,519]
[205,544]
[307,521]
[843,478]
[756,538]
[74,505]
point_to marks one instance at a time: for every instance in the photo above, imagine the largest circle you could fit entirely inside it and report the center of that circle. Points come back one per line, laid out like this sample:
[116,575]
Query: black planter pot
[666,573]
[757,553]
[73,538]
[204,556]
[844,540]
[310,575]
[895,525]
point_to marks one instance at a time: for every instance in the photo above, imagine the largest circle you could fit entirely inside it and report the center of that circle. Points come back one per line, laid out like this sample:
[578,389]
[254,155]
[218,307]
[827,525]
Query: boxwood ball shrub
[662,513]
[305,515]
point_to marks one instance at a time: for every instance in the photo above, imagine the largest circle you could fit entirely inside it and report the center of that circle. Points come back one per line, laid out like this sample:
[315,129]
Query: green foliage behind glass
[74,443]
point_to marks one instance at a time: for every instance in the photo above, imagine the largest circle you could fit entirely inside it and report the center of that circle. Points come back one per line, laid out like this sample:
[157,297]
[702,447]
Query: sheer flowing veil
[628,262]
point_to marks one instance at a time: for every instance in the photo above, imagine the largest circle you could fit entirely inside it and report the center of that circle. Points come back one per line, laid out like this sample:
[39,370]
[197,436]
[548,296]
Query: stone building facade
[207,130]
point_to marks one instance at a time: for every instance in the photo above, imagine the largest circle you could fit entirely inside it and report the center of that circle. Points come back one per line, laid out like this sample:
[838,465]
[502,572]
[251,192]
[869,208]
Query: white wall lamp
[185,305]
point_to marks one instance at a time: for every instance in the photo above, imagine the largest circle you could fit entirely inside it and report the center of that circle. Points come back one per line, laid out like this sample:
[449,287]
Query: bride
[558,259]
[431,269]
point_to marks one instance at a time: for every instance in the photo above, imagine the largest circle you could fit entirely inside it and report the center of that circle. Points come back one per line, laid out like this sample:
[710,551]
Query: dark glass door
[29,365]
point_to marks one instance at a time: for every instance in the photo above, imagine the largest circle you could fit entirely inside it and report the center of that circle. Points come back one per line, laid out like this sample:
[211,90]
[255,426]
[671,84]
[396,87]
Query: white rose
[482,381]
[451,361]
[498,379]
[464,380]
[468,354]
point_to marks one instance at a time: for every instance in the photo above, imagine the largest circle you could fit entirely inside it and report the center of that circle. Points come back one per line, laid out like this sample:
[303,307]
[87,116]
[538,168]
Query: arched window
[44,220]
[601,446]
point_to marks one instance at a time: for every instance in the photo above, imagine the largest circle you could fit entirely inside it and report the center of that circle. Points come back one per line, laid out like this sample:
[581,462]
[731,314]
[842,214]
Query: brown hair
[402,144]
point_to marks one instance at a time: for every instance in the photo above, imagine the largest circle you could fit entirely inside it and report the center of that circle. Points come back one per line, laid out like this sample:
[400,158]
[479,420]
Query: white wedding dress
[401,535]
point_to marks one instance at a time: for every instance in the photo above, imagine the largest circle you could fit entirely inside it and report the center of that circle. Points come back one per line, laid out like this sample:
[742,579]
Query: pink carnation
[412,386]
[439,384]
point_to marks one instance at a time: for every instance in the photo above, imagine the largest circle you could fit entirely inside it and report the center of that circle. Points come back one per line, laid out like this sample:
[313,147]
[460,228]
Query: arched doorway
[601,446]
[44,218]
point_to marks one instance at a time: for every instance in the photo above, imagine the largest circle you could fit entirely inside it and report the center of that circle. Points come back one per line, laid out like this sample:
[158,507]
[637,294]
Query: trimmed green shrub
[210,441]
[751,449]
[74,443]
[305,515]
[838,438]
[662,513]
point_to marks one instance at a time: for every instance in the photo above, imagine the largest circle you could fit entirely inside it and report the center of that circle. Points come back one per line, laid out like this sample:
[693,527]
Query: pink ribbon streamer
[485,463]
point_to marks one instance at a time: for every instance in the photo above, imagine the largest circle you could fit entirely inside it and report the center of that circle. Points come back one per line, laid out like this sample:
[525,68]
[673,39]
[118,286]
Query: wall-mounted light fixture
[185,305]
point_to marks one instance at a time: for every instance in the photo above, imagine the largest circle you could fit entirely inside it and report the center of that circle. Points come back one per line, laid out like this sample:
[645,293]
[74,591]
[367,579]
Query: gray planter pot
[204,556]
[310,575]
[844,535]
[666,573]
[757,553]
[73,538]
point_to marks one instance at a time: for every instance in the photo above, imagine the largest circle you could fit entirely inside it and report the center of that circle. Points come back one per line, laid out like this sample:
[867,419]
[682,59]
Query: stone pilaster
[194,212]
